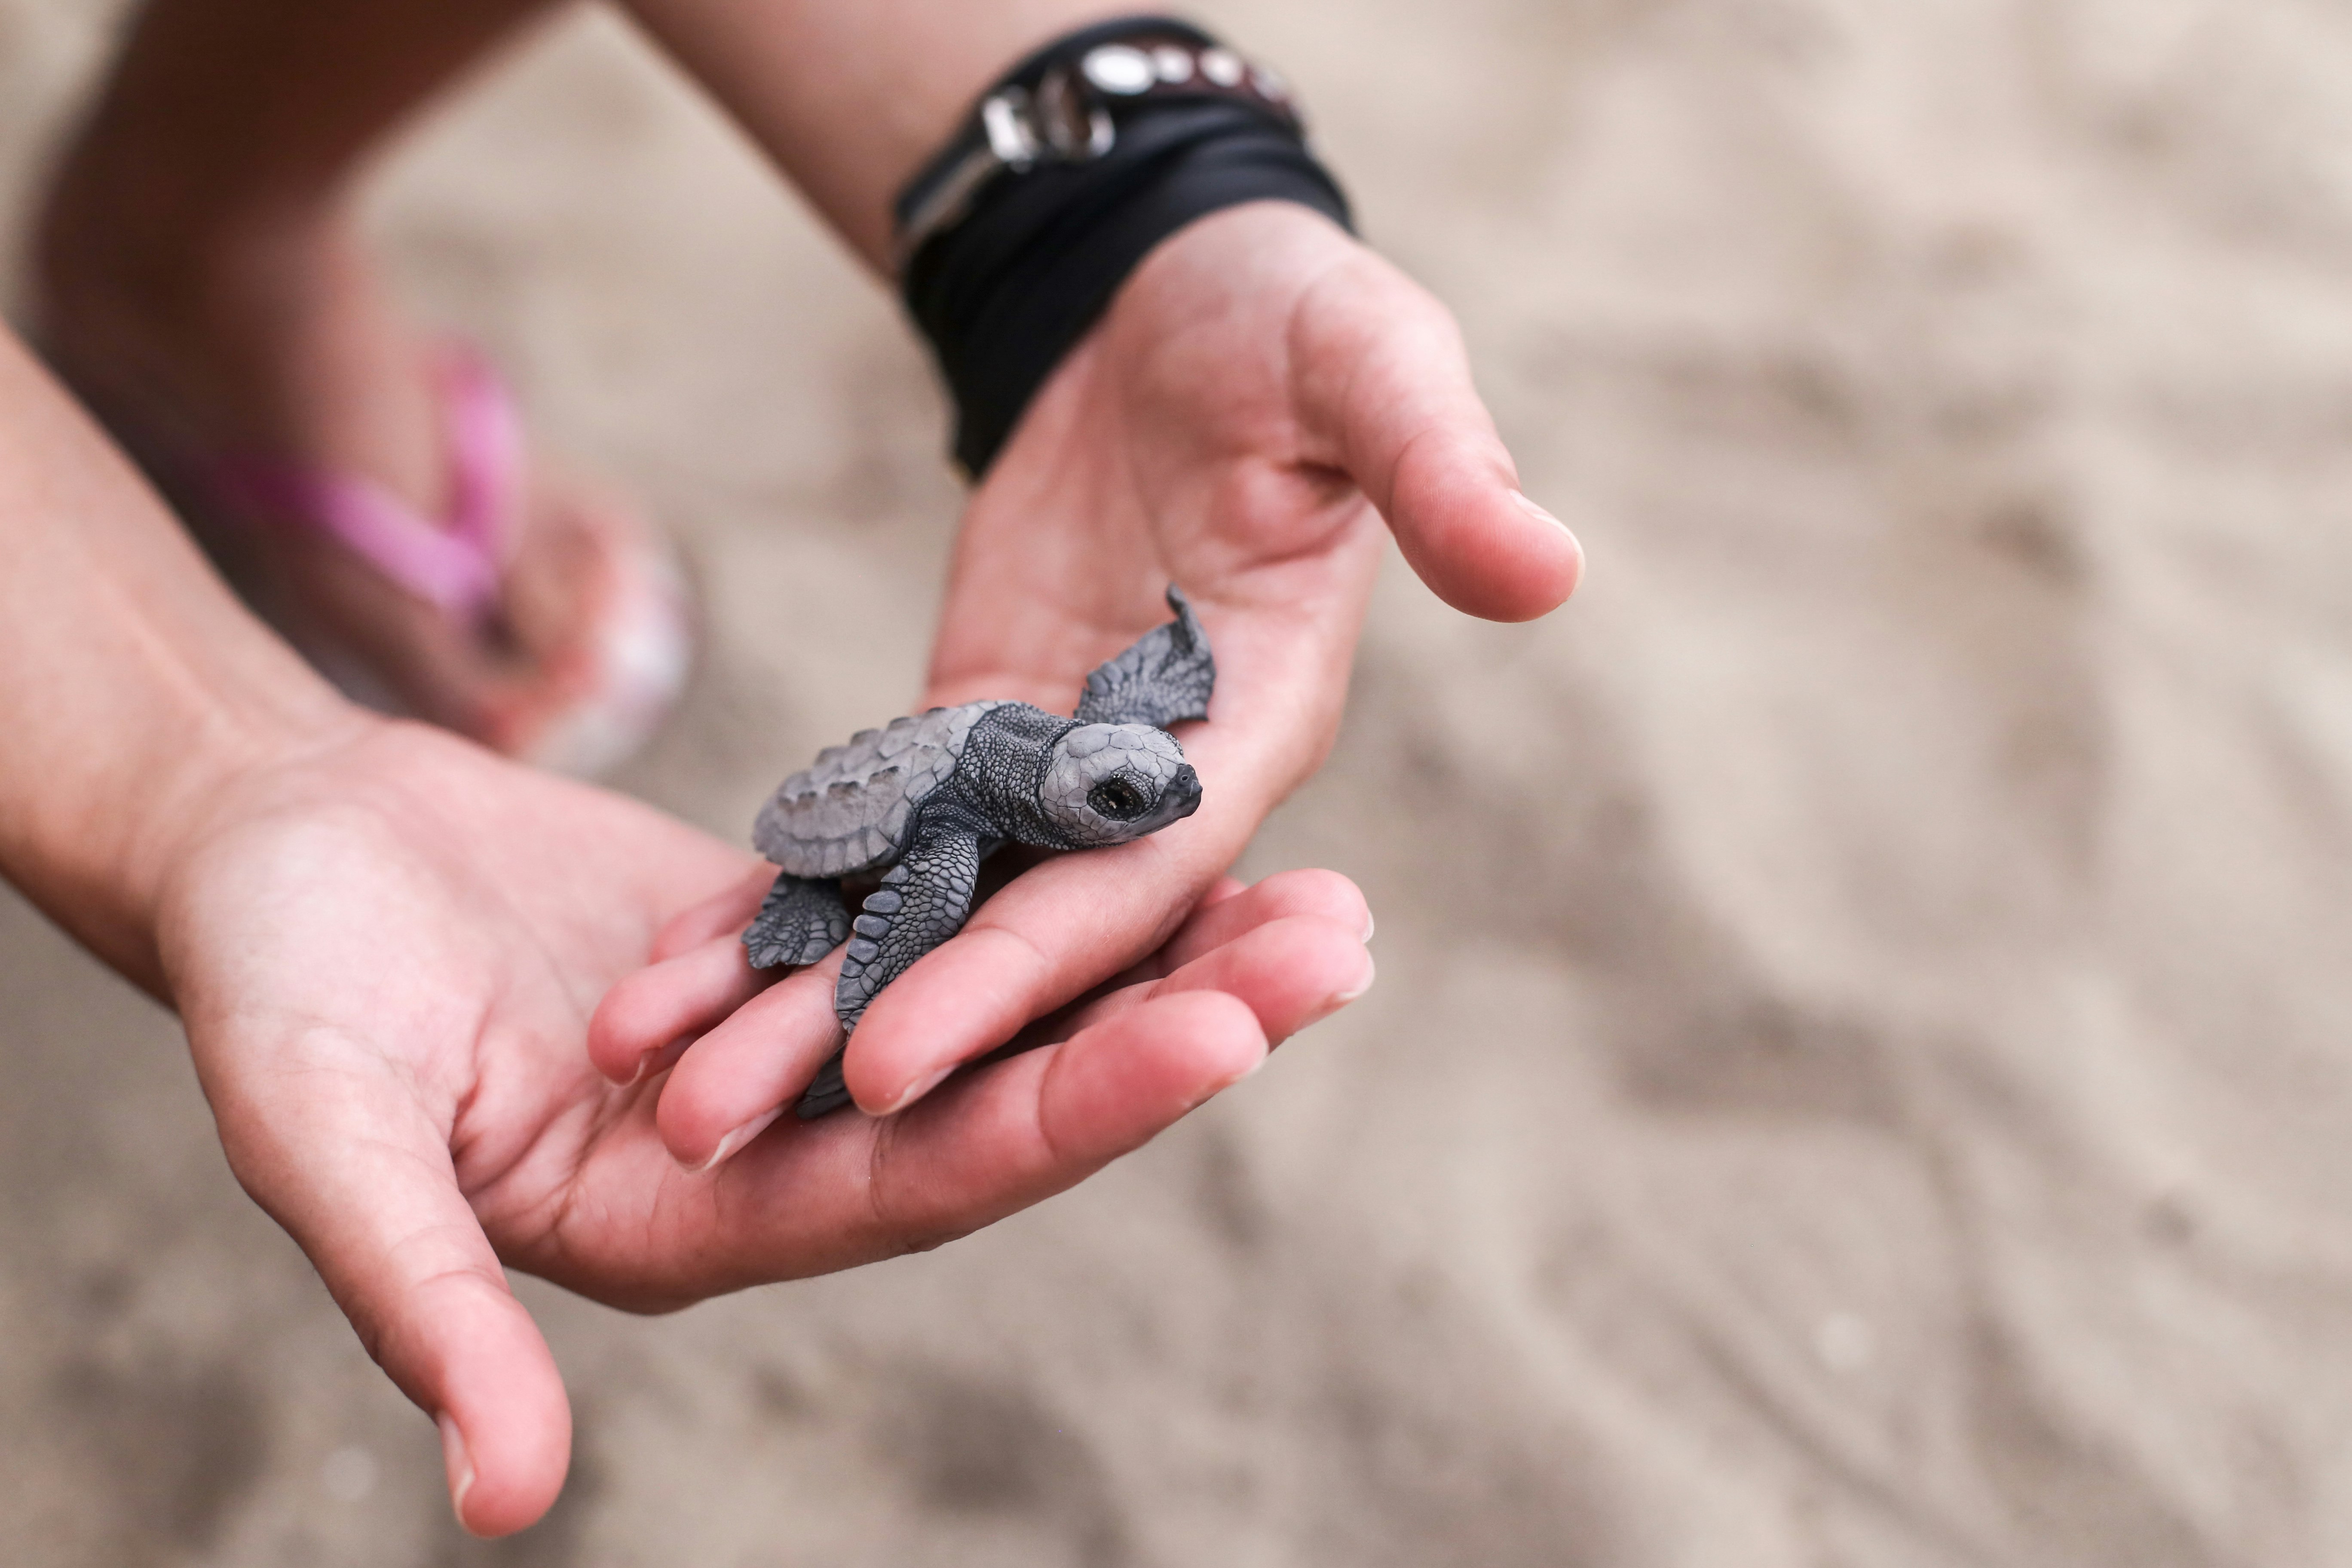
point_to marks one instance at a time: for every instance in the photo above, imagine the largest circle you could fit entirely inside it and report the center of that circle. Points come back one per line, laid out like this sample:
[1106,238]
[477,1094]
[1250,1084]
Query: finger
[1290,973]
[727,912]
[1046,938]
[1066,926]
[645,1015]
[847,1190]
[1224,916]
[735,1080]
[1384,384]
[1223,913]
[1024,1129]
[1107,1091]
[334,1144]
[1156,964]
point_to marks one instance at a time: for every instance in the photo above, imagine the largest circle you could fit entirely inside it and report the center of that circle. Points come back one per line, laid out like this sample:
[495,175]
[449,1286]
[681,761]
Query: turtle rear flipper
[825,1094]
[1164,678]
[800,922]
[922,901]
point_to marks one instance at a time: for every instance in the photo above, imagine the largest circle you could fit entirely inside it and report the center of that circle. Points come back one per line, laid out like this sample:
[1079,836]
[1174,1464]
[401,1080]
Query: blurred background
[1863,1079]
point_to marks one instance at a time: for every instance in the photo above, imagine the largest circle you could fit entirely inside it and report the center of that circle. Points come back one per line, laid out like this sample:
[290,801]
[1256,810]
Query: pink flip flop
[641,650]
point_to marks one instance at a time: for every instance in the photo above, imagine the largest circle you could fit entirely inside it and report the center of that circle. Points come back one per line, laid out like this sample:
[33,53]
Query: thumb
[1384,385]
[339,1152]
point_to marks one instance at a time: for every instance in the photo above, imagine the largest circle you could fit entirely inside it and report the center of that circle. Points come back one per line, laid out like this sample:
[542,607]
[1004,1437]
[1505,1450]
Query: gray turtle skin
[916,806]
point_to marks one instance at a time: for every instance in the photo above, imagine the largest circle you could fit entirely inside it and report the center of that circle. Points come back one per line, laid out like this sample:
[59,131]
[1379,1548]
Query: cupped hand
[387,953]
[1263,393]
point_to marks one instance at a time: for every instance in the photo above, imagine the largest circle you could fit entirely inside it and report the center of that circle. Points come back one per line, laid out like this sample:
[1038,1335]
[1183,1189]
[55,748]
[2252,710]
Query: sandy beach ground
[1865,1081]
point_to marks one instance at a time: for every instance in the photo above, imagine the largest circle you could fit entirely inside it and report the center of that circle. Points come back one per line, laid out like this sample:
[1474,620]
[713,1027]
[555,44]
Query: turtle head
[1108,784]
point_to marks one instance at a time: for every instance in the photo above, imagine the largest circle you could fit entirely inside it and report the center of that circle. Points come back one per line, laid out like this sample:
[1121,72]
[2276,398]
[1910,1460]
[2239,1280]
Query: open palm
[387,956]
[1263,393]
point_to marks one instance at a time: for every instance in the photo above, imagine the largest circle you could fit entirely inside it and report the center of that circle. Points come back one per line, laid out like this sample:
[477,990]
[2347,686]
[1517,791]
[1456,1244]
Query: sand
[1867,1086]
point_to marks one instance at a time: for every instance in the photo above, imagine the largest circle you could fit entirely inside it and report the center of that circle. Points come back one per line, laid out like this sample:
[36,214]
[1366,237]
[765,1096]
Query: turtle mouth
[1179,800]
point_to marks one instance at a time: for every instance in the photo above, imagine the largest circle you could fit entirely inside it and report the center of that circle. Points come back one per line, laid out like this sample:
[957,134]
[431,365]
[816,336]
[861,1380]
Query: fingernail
[736,1140]
[1263,1057]
[918,1089]
[1370,925]
[1536,512]
[458,1463]
[1339,999]
[645,1068]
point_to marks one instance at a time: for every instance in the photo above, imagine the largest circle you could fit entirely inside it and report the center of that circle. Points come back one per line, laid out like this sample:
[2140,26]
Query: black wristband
[1034,253]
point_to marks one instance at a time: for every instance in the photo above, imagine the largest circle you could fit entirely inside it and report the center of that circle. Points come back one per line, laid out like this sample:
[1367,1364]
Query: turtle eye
[1117,798]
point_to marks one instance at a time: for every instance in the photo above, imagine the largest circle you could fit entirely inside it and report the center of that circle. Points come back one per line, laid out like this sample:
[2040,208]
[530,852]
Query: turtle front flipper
[922,901]
[800,922]
[1164,678]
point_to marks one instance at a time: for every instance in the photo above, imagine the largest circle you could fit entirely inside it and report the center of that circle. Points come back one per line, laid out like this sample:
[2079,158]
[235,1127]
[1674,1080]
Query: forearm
[223,117]
[137,689]
[850,99]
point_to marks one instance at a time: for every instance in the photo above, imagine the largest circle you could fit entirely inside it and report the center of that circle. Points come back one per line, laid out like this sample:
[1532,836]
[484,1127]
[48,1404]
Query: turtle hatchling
[915,806]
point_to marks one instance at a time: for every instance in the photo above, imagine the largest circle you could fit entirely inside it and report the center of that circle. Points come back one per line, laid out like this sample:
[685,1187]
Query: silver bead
[1175,65]
[1118,68]
[1223,67]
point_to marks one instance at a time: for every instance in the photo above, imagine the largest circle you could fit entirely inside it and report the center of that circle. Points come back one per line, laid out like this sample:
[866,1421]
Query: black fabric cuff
[1007,292]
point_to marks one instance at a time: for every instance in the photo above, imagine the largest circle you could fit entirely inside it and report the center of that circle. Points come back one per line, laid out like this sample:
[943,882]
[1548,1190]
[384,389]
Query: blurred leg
[196,260]
[202,283]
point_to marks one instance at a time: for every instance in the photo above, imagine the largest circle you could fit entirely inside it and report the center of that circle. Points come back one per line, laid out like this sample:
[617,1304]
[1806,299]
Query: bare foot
[278,339]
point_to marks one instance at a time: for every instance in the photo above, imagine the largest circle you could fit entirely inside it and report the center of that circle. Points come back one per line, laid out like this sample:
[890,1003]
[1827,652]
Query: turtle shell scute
[850,811]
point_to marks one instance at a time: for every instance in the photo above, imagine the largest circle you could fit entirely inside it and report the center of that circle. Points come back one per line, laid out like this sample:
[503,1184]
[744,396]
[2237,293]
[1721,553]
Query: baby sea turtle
[921,803]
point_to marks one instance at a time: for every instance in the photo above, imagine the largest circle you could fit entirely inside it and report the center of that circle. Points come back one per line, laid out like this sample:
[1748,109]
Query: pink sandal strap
[452,564]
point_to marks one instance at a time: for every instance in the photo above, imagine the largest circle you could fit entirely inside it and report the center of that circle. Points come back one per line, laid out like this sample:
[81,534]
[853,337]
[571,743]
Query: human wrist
[143,689]
[1266,253]
[107,858]
[1258,261]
